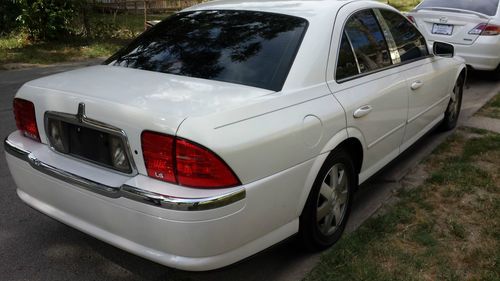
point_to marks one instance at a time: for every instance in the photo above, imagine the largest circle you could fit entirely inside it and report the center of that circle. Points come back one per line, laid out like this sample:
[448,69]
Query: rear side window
[346,66]
[243,47]
[410,43]
[368,41]
[487,7]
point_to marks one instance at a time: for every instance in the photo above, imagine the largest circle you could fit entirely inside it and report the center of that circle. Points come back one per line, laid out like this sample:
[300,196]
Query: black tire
[319,234]
[495,74]
[454,105]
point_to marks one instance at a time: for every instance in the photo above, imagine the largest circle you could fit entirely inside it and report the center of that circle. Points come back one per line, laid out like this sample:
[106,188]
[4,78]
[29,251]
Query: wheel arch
[462,70]
[341,140]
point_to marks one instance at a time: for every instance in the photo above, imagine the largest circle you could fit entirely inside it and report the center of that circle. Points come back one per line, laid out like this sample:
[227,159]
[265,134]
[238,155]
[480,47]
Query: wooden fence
[137,6]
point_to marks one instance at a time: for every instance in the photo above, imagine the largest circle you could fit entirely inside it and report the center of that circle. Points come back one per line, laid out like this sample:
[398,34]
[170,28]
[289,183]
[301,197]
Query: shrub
[9,10]
[46,19]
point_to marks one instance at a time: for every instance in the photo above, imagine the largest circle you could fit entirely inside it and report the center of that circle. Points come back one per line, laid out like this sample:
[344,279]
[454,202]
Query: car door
[427,76]
[373,93]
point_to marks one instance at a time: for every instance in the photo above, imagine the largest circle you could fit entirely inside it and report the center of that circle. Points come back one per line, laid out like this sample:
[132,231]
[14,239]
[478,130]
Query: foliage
[46,19]
[9,10]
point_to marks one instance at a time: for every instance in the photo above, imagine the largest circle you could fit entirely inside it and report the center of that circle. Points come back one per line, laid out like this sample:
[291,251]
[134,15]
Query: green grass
[492,108]
[110,33]
[16,50]
[447,229]
[402,5]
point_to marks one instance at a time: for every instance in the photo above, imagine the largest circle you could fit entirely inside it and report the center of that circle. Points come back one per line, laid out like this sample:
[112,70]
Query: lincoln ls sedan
[231,126]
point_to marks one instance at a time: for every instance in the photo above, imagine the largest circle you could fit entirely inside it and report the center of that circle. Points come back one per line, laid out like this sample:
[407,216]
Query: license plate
[443,29]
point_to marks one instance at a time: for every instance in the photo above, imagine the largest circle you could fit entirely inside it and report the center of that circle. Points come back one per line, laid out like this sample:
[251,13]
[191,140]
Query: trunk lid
[139,99]
[448,25]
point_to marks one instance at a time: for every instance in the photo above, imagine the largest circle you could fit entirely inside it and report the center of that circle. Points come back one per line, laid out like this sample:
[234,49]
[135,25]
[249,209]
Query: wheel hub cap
[332,200]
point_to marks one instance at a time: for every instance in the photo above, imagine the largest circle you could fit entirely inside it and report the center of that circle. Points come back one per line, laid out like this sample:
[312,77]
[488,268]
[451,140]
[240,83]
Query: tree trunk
[86,21]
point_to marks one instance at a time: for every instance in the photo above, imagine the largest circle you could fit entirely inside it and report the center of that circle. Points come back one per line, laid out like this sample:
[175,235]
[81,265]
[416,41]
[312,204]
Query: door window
[346,66]
[368,41]
[410,43]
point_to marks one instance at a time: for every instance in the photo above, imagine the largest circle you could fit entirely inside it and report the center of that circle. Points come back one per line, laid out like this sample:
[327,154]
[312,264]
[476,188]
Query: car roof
[307,9]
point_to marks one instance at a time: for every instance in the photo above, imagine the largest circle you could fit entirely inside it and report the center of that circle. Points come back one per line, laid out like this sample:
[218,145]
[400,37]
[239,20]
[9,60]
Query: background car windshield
[243,47]
[487,7]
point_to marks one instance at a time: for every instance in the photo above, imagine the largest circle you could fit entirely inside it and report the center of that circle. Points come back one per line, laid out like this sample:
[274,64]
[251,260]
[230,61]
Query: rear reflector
[183,162]
[24,113]
[485,29]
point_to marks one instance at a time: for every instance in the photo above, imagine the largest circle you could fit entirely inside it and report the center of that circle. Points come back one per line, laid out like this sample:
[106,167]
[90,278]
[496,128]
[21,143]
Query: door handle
[362,111]
[417,84]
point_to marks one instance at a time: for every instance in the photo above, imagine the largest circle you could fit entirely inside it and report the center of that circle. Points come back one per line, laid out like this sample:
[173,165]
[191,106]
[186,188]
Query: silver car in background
[473,27]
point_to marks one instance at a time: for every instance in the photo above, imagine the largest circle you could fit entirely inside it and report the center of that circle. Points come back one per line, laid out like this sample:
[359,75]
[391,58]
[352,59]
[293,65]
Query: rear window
[487,7]
[244,47]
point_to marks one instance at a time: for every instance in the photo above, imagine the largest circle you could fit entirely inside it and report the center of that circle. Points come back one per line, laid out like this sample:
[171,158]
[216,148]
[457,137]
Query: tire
[330,201]
[453,109]
[495,74]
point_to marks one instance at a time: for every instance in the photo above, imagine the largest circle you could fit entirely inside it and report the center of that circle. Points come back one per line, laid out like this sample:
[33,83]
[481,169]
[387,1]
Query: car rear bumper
[484,54]
[190,233]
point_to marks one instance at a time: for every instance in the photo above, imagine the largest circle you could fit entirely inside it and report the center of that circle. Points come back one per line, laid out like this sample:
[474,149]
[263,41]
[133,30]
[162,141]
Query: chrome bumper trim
[127,191]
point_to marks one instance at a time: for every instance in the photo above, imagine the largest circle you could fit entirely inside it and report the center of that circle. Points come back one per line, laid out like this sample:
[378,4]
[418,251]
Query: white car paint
[480,52]
[275,142]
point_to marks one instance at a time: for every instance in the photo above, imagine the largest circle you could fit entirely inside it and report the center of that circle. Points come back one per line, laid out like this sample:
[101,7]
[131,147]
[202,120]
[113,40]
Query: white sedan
[230,126]
[472,26]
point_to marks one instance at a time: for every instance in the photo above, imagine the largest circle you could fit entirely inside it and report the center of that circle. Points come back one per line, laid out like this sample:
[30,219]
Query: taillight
[183,162]
[485,29]
[157,150]
[24,113]
[412,19]
[199,167]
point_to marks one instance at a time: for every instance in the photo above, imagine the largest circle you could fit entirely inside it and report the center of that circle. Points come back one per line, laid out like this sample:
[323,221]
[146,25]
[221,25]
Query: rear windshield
[244,47]
[487,7]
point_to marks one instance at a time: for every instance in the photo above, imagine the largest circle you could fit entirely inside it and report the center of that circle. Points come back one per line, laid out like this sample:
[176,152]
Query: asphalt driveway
[36,247]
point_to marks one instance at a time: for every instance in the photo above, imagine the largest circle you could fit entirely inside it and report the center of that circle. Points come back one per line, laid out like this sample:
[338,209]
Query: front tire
[328,206]
[453,110]
[496,74]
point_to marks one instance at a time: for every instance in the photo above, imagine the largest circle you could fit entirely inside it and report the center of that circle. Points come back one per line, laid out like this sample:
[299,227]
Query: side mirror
[443,50]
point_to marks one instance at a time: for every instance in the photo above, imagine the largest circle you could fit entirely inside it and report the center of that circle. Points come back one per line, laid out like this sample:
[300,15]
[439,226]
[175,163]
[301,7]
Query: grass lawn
[447,229]
[492,108]
[16,49]
[402,5]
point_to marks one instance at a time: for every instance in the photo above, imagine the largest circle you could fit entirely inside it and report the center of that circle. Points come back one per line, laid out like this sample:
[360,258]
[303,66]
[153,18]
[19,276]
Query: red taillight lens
[157,150]
[24,113]
[412,19]
[180,161]
[490,30]
[485,29]
[199,167]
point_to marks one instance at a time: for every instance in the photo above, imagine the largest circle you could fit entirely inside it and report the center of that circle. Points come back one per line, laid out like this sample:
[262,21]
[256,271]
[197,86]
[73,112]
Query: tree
[46,19]
[9,10]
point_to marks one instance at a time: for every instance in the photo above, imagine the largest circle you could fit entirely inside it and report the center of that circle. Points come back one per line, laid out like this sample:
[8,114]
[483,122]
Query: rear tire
[328,206]
[453,110]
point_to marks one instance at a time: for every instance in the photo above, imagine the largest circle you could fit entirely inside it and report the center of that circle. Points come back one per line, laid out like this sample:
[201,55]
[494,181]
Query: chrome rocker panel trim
[127,191]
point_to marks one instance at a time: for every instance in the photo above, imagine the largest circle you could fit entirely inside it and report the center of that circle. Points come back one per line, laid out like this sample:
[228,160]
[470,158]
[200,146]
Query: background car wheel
[453,110]
[329,203]
[495,74]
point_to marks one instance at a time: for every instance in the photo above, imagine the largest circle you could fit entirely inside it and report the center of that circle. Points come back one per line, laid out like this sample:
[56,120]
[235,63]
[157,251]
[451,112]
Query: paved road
[35,247]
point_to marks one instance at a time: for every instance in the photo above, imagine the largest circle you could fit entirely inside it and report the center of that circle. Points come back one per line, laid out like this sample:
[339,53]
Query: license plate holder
[86,142]
[442,29]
